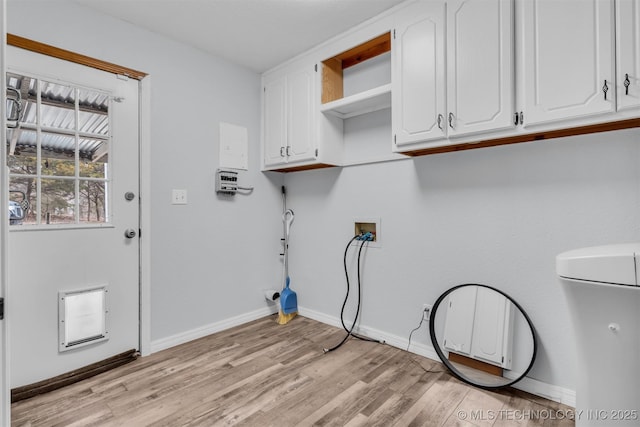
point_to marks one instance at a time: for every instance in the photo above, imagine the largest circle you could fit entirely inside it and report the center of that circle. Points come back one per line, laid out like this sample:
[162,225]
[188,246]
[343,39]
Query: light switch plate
[179,197]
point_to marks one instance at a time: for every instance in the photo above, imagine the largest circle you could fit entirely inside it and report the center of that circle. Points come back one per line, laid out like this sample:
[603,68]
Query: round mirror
[482,336]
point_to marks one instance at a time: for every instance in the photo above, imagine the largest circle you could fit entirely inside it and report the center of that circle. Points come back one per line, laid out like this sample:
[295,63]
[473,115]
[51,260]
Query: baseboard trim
[203,331]
[529,385]
[548,391]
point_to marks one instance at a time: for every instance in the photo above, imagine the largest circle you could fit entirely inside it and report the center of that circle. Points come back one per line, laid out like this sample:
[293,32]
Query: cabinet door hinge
[316,67]
[316,152]
[394,33]
[1,308]
[395,141]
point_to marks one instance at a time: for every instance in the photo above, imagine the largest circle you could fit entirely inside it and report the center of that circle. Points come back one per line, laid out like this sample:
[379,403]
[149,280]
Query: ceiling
[258,34]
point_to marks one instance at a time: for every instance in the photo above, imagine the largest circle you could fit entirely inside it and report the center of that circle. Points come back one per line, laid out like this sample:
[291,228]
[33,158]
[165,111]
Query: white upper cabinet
[568,59]
[418,75]
[275,121]
[301,119]
[628,53]
[454,82]
[289,108]
[480,66]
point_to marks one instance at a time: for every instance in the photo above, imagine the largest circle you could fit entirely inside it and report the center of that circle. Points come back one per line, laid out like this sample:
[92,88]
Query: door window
[57,152]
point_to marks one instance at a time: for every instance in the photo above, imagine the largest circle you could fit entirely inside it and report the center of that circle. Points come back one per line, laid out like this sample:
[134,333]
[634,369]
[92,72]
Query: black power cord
[344,304]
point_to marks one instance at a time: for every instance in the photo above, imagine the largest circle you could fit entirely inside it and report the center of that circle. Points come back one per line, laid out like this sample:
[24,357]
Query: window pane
[27,88]
[21,189]
[58,106]
[58,154]
[94,157]
[92,202]
[58,201]
[72,141]
[94,112]
[21,151]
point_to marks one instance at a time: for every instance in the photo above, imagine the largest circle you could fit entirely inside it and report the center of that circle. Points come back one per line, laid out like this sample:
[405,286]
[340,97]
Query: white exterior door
[568,59]
[480,66]
[628,53]
[5,393]
[75,156]
[418,110]
[301,115]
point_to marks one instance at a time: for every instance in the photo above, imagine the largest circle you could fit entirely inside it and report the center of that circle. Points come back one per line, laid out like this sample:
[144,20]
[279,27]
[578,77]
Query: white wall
[211,258]
[496,216]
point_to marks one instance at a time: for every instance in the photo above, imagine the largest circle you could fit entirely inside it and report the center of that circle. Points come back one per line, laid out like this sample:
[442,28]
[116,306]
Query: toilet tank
[614,264]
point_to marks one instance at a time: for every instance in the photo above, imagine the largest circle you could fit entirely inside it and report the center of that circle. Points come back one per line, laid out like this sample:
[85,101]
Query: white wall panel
[497,216]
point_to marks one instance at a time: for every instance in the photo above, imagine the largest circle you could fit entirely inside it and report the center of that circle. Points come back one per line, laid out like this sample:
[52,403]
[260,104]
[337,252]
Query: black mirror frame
[446,362]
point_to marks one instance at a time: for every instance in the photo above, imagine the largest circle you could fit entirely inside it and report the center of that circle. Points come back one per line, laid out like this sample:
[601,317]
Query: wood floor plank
[263,374]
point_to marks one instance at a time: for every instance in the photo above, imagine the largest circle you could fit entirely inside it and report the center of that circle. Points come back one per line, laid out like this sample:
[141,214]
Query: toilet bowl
[603,295]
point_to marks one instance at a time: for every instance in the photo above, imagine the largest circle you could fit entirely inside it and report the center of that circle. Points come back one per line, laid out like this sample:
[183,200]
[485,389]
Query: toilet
[602,289]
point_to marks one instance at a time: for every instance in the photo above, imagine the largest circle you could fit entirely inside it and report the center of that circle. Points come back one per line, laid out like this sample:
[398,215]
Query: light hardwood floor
[265,374]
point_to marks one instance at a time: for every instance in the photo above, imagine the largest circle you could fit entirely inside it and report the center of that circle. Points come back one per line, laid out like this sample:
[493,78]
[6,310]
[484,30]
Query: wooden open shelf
[361,103]
[332,68]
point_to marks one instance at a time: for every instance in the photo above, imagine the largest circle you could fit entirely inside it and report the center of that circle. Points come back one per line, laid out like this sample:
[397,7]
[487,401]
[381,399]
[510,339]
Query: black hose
[344,304]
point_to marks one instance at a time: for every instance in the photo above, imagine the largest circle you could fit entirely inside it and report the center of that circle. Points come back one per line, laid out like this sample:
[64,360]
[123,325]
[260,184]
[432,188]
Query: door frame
[5,380]
[144,174]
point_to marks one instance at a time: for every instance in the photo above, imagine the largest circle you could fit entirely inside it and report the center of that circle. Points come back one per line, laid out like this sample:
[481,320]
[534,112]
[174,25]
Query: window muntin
[59,155]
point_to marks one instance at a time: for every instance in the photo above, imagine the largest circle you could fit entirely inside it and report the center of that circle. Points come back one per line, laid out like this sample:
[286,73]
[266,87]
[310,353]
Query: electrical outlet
[426,311]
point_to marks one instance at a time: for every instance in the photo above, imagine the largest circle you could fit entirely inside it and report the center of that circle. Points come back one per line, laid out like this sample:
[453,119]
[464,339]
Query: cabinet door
[418,76]
[274,122]
[568,59]
[491,320]
[301,115]
[628,53]
[480,65]
[458,326]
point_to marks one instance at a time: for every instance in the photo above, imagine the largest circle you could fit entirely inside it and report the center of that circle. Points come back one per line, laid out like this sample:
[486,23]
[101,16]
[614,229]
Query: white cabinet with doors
[289,109]
[452,82]
[296,136]
[479,325]
[628,54]
[568,68]
[418,75]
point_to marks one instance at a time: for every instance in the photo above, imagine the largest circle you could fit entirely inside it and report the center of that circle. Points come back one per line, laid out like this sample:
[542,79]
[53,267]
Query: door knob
[130,233]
